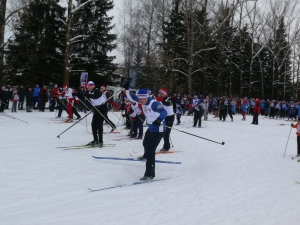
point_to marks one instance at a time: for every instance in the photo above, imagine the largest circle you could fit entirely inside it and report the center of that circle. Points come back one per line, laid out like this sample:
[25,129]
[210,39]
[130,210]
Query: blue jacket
[36,91]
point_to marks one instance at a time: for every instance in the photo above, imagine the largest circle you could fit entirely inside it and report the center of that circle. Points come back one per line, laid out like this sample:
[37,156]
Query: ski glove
[157,122]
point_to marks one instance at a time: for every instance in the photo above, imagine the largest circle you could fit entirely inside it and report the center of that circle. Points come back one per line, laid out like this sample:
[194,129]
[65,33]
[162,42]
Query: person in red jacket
[256,111]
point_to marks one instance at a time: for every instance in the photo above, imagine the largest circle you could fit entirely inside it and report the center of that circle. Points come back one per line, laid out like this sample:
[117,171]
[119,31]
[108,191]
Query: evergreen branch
[80,6]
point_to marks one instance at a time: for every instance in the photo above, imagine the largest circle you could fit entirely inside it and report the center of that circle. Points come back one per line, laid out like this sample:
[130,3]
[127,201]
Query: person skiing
[155,115]
[297,126]
[98,103]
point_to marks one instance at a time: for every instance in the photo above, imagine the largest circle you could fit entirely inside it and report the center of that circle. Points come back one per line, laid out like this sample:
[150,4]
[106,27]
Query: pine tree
[35,55]
[91,41]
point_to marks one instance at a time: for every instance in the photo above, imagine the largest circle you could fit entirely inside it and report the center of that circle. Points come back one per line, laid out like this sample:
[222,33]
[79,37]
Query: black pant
[169,122]
[223,113]
[53,104]
[21,102]
[229,111]
[255,118]
[61,107]
[42,105]
[74,110]
[2,107]
[97,125]
[197,117]
[137,123]
[150,143]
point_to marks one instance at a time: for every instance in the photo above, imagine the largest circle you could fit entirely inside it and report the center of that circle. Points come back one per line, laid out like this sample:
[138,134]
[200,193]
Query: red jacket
[257,106]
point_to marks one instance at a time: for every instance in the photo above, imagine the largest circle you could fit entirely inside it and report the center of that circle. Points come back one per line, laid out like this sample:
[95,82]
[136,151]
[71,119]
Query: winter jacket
[257,107]
[44,95]
[2,96]
[29,97]
[297,126]
[21,93]
[15,97]
[36,91]
[245,105]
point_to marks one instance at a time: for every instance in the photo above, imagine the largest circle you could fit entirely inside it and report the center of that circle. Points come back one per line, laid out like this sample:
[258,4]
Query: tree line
[53,44]
[234,48]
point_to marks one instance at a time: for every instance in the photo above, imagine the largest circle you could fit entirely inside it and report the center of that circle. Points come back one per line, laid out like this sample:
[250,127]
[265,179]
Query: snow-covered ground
[246,181]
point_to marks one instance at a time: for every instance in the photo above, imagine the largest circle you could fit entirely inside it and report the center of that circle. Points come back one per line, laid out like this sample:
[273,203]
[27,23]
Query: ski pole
[221,143]
[12,117]
[84,117]
[287,141]
[171,142]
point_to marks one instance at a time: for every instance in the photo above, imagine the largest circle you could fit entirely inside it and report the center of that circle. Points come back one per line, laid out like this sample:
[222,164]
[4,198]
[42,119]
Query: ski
[157,153]
[127,185]
[87,147]
[134,159]
[115,132]
[80,146]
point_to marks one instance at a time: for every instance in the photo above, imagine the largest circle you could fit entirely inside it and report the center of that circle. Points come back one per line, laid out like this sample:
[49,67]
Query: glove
[292,125]
[126,85]
[157,122]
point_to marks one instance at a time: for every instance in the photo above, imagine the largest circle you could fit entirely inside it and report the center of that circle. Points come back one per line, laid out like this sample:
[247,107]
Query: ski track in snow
[246,181]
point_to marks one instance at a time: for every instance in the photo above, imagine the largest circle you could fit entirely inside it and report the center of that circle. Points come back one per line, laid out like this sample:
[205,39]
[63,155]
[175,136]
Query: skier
[297,126]
[69,95]
[138,121]
[155,115]
[167,104]
[98,103]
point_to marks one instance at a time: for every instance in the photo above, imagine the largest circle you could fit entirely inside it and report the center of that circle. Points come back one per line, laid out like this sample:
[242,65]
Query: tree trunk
[67,46]
[2,31]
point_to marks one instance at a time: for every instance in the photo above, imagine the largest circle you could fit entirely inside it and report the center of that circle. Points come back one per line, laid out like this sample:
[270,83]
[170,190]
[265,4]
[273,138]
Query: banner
[83,78]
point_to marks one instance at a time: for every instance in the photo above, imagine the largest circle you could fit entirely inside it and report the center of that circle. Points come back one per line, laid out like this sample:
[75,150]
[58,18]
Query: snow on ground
[246,181]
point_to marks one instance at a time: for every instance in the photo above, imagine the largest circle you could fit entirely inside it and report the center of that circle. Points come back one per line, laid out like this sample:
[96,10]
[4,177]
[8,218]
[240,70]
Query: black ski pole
[12,117]
[221,143]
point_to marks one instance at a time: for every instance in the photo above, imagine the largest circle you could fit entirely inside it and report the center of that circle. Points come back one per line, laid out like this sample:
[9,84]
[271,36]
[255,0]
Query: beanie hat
[163,91]
[90,84]
[64,86]
[149,90]
[142,93]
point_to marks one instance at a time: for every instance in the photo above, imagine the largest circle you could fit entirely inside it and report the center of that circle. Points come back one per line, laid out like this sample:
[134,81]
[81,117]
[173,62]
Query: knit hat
[142,93]
[163,91]
[90,84]
[64,86]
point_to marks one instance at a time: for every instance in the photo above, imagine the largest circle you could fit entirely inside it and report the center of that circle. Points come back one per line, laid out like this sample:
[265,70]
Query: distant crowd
[35,98]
